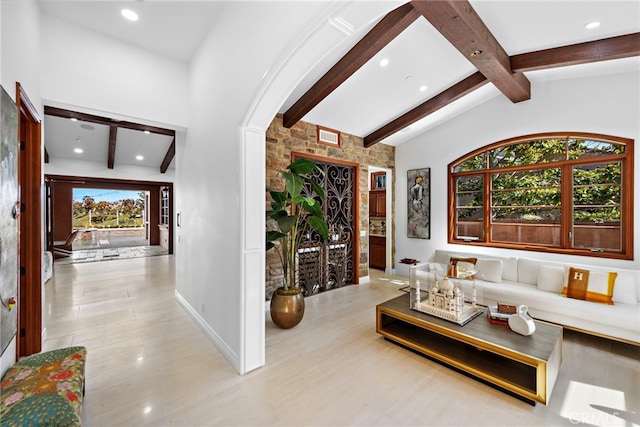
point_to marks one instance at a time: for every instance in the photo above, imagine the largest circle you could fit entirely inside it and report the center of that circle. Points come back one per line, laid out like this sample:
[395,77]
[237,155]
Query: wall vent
[328,136]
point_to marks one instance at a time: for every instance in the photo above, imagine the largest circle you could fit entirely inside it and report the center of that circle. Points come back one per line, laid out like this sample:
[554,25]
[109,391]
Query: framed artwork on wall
[419,203]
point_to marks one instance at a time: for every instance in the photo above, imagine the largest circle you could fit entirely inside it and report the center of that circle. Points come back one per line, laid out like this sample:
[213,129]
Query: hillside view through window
[104,208]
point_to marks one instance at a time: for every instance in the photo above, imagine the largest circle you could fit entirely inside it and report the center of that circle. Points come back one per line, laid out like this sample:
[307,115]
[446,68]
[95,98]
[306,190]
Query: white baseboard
[227,352]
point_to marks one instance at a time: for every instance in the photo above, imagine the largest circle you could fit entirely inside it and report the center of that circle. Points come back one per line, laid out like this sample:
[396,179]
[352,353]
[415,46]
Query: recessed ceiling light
[592,25]
[73,119]
[423,88]
[129,14]
[78,150]
[147,132]
[139,157]
[384,62]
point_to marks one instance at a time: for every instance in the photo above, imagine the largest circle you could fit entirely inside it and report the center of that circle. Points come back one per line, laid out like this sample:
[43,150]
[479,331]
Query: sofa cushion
[550,278]
[592,286]
[625,291]
[510,269]
[489,270]
[509,264]
[528,271]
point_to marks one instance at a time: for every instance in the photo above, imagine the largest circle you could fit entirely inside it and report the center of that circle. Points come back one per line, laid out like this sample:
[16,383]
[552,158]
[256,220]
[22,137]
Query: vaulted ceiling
[462,27]
[443,57]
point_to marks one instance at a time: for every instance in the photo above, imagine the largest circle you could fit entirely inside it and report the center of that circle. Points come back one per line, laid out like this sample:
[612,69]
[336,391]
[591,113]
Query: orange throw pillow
[590,286]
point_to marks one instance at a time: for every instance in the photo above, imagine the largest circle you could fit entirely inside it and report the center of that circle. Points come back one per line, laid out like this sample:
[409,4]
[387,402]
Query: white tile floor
[148,364]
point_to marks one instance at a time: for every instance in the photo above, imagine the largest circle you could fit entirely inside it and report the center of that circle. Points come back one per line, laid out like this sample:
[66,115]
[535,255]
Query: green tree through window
[556,193]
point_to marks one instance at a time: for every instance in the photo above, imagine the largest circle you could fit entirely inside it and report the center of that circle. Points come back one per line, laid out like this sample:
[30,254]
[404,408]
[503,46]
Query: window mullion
[487,206]
[566,210]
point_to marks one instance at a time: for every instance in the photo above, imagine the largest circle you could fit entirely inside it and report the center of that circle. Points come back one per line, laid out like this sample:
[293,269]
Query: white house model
[445,300]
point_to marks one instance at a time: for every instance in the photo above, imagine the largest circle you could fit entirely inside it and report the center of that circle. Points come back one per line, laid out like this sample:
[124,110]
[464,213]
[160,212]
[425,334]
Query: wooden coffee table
[524,365]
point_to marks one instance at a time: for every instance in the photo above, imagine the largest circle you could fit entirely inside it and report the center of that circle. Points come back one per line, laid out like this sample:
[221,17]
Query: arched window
[565,193]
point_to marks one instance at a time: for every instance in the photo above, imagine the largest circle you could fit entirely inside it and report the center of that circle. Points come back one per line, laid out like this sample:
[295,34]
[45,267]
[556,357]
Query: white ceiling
[171,28]
[63,136]
[374,95]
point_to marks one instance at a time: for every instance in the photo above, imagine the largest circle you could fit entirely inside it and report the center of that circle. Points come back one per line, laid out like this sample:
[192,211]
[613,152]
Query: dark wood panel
[62,210]
[30,238]
[377,203]
[459,23]
[377,252]
[624,46]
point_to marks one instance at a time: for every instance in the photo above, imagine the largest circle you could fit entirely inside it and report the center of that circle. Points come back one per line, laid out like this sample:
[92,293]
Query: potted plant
[293,215]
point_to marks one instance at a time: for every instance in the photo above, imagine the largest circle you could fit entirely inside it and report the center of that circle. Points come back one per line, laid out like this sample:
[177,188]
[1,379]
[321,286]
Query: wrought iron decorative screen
[327,265]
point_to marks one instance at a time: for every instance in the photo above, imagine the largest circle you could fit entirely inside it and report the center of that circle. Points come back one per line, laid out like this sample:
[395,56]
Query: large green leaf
[298,178]
[273,235]
[311,206]
[276,215]
[319,225]
[302,166]
[286,223]
[293,183]
[278,196]
[317,189]
[296,200]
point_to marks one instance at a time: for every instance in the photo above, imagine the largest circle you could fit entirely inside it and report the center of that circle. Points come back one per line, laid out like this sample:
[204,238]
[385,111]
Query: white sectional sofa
[538,284]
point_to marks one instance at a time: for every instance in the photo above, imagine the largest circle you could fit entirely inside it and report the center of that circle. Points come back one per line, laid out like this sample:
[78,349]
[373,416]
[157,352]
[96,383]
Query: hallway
[149,364]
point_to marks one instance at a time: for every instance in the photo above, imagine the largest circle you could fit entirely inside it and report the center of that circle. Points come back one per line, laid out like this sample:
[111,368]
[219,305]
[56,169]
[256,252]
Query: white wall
[85,69]
[20,49]
[239,80]
[607,105]
[19,62]
[226,75]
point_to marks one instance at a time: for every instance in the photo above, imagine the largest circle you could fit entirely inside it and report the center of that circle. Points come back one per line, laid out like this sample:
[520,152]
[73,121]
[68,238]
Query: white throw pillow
[489,270]
[625,290]
[528,271]
[550,278]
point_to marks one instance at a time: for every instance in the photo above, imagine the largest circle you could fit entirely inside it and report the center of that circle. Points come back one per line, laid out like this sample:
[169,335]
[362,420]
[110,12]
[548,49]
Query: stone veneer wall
[301,138]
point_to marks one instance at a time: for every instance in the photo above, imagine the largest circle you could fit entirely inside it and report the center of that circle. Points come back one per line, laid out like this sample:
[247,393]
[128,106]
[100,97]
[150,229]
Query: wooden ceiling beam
[459,23]
[171,152]
[624,46]
[113,134]
[443,99]
[91,118]
[394,23]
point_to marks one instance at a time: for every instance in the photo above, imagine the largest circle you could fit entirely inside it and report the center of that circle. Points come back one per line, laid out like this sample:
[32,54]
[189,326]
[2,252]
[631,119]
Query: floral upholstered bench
[44,389]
